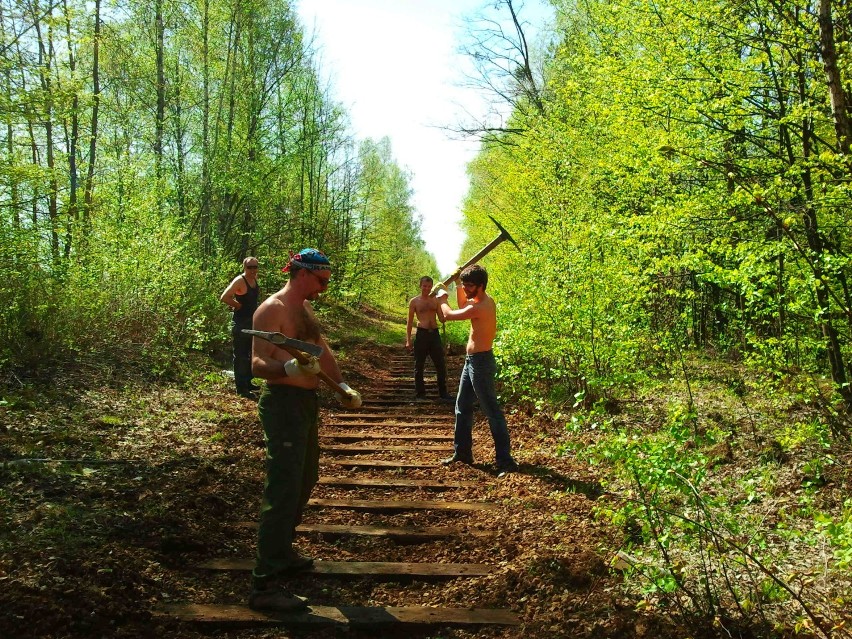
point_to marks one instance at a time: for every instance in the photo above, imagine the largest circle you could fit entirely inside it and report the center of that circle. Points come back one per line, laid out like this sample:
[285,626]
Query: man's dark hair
[426,278]
[295,268]
[475,275]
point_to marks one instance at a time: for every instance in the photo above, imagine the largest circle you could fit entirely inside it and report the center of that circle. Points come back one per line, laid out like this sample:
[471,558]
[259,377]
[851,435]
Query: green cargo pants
[290,418]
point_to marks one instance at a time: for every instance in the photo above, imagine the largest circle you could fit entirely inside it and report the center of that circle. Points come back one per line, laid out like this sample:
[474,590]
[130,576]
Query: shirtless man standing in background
[427,341]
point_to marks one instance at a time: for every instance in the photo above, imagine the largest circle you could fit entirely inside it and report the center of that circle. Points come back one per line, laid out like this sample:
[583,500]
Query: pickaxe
[297,348]
[504,235]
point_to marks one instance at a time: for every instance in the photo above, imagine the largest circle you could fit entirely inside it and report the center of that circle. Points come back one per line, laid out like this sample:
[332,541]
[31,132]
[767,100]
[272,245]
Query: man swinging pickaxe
[476,382]
[504,235]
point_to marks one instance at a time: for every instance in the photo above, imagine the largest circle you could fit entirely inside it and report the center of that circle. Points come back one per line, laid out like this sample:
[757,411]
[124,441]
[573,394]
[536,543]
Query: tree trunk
[73,139]
[837,96]
[159,28]
[816,245]
[180,143]
[204,214]
[12,182]
[93,136]
[45,63]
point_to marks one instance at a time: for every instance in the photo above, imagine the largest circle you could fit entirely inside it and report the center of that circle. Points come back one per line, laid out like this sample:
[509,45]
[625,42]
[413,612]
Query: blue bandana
[309,258]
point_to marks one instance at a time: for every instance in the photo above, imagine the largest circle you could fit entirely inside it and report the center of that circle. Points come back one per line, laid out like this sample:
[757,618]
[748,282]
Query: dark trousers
[290,418]
[427,343]
[242,355]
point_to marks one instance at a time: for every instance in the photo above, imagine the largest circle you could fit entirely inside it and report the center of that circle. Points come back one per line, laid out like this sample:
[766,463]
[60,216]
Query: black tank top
[248,302]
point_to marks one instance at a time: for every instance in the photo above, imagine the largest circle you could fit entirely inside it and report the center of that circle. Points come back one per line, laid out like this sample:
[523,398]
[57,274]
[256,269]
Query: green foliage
[120,251]
[697,539]
[800,433]
[653,214]
[839,533]
[388,254]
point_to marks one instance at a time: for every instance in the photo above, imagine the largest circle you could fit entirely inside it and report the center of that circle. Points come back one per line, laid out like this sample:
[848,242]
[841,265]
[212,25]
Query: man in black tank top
[242,295]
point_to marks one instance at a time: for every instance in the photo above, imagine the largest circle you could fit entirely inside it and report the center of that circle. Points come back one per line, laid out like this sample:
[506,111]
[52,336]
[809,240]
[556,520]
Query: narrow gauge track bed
[368,618]
[388,407]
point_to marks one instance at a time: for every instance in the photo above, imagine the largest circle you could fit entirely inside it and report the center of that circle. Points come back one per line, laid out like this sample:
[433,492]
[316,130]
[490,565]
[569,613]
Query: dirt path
[98,550]
[402,539]
[376,476]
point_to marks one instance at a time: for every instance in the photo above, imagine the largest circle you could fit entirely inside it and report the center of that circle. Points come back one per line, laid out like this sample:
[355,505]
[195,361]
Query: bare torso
[296,320]
[483,326]
[425,308]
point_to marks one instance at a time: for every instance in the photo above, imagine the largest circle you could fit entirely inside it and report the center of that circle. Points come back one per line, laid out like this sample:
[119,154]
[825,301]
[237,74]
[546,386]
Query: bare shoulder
[489,304]
[266,314]
[270,303]
[236,287]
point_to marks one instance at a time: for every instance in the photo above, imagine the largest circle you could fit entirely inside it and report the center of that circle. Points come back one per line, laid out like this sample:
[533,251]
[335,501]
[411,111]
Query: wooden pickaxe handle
[504,235]
[304,359]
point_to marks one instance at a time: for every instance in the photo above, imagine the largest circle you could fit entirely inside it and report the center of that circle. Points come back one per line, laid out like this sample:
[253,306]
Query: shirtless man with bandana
[289,412]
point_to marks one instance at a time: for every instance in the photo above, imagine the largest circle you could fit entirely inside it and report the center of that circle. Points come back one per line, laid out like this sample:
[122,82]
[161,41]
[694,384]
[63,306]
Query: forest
[677,177]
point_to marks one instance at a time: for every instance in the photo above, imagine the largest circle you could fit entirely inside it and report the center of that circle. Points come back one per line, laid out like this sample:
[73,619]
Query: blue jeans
[477,382]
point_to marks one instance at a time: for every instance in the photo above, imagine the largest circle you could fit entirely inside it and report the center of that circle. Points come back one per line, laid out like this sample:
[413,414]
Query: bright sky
[395,66]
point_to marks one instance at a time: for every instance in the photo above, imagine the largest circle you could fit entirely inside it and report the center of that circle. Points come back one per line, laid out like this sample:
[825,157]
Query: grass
[723,517]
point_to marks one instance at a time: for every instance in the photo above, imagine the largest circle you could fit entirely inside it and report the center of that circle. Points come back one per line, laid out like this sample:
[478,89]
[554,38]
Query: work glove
[441,294]
[293,368]
[351,398]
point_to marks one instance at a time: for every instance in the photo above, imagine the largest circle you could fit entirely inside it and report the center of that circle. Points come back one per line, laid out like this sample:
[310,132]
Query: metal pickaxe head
[504,234]
[279,339]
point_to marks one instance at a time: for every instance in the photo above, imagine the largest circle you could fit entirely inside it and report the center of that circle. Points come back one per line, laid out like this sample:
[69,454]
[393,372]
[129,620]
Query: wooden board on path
[386,569]
[420,410]
[405,422]
[433,484]
[396,391]
[419,419]
[375,618]
[379,463]
[399,401]
[342,435]
[400,534]
[376,448]
[400,504]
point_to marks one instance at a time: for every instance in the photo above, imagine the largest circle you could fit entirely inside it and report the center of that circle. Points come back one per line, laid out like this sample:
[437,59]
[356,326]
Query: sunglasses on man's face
[322,280]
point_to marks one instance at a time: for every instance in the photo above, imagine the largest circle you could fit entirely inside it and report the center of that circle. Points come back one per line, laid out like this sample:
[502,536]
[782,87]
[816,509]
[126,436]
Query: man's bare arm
[439,312]
[263,361]
[234,288]
[461,298]
[410,323]
[327,361]
[471,311]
